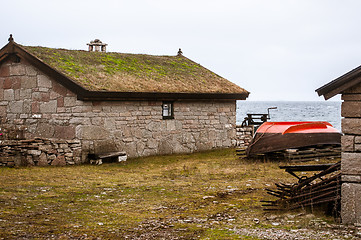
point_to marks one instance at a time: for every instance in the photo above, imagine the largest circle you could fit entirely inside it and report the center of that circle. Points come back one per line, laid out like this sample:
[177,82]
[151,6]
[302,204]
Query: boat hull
[273,142]
[278,136]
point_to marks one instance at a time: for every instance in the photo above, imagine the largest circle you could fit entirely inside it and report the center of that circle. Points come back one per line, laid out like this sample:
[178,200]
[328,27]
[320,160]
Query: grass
[134,72]
[196,196]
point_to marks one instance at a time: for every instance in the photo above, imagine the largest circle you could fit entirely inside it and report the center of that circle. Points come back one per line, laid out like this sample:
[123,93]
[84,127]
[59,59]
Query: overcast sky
[276,49]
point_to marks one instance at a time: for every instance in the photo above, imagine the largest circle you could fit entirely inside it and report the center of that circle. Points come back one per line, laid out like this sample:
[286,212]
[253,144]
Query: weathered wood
[271,142]
[331,169]
[308,191]
[301,154]
[110,154]
[304,168]
[315,203]
[334,180]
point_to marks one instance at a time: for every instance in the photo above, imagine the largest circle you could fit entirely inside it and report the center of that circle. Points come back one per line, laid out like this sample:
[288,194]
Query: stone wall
[43,108]
[244,136]
[351,156]
[39,152]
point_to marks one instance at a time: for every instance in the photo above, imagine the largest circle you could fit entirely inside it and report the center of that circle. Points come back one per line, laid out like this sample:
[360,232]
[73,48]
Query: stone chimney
[97,46]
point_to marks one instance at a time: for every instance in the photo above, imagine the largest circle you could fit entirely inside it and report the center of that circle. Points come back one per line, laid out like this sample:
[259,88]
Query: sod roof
[120,72]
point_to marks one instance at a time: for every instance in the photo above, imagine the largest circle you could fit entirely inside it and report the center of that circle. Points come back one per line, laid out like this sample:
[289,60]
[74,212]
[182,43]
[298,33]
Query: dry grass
[134,72]
[202,195]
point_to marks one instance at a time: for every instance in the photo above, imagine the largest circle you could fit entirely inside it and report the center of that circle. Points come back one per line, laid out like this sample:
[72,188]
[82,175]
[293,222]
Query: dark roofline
[13,48]
[102,95]
[340,84]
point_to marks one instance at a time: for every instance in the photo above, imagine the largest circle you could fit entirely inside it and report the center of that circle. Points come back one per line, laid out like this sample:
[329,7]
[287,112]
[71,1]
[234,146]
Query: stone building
[349,86]
[103,101]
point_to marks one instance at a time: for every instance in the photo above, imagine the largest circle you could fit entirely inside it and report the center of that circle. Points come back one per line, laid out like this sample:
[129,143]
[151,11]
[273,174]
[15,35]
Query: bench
[99,158]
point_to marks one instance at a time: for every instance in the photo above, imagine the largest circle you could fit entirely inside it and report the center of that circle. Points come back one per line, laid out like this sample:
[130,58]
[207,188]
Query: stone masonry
[351,156]
[244,136]
[39,152]
[43,108]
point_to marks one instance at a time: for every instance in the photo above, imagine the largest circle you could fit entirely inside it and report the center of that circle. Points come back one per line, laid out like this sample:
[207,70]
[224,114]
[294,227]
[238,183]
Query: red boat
[278,136]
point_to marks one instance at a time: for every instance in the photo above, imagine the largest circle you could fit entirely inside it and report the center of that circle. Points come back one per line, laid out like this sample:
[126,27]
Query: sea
[329,111]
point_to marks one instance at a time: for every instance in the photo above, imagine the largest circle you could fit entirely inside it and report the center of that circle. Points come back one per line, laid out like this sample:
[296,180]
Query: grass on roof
[134,72]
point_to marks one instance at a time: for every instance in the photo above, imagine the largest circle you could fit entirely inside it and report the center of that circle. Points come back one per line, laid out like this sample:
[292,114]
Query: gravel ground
[318,229]
[299,234]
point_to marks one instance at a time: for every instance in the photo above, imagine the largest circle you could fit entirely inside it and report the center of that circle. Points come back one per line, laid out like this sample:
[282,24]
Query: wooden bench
[99,158]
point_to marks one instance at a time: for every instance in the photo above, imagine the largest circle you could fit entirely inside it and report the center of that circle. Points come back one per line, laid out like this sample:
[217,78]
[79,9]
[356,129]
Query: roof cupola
[97,46]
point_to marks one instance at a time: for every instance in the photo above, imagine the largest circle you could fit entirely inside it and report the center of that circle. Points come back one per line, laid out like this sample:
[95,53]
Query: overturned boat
[279,136]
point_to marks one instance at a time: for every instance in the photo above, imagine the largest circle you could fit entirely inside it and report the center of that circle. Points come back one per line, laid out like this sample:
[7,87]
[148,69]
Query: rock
[207,197]
[11,164]
[43,160]
[272,217]
[34,152]
[290,216]
[29,160]
[59,161]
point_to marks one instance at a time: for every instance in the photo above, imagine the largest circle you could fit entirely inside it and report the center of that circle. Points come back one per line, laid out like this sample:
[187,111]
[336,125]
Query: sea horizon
[329,111]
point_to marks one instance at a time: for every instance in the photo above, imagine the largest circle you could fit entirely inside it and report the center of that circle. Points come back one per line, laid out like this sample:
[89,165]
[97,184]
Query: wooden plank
[331,169]
[306,192]
[305,168]
[314,155]
[110,154]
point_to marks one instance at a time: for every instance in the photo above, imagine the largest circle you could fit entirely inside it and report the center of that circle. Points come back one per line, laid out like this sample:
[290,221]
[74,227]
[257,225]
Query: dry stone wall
[244,136]
[42,108]
[39,152]
[351,156]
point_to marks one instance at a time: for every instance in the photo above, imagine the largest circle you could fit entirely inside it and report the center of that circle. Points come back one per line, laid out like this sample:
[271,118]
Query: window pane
[166,110]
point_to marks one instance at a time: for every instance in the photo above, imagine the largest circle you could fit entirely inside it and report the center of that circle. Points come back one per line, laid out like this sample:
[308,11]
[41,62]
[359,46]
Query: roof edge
[340,84]
[112,96]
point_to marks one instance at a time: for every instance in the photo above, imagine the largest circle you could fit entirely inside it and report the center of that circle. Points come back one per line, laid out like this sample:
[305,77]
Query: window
[167,110]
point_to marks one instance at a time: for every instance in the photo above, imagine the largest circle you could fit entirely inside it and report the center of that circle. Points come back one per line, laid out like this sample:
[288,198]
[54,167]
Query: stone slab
[351,178]
[351,109]
[92,133]
[64,132]
[350,203]
[48,107]
[350,163]
[59,161]
[44,81]
[351,126]
[17,70]
[348,143]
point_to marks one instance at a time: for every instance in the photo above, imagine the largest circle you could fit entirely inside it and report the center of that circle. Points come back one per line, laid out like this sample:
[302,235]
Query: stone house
[104,101]
[349,86]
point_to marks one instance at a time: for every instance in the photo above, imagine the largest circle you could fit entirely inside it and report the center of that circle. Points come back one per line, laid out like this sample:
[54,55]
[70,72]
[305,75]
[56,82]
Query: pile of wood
[307,154]
[241,152]
[320,189]
[297,154]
